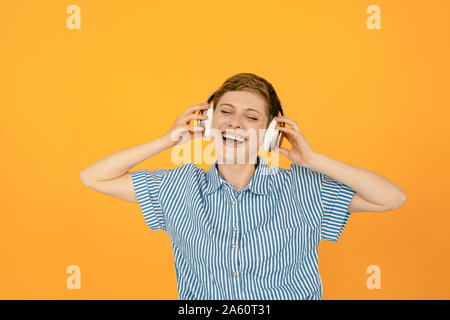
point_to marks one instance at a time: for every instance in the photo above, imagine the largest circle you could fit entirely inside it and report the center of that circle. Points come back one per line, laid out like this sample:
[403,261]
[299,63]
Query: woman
[244,230]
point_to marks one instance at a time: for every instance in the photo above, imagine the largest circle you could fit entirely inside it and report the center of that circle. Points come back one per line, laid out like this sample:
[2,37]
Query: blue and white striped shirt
[256,243]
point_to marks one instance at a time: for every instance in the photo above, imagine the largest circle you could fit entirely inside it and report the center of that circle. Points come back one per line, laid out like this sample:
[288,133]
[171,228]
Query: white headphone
[272,137]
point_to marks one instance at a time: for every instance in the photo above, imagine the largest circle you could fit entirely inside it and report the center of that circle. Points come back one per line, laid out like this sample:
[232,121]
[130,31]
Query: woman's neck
[239,175]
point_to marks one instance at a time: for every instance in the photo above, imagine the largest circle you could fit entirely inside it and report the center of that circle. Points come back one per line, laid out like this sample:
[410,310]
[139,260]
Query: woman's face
[238,127]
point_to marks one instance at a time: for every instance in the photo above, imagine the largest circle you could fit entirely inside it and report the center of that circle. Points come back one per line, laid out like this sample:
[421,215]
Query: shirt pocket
[274,252]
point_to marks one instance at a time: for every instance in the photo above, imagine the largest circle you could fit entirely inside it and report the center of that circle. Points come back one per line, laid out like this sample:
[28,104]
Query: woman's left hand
[300,153]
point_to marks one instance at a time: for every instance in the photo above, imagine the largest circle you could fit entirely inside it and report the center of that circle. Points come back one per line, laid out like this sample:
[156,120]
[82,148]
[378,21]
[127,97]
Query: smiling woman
[244,230]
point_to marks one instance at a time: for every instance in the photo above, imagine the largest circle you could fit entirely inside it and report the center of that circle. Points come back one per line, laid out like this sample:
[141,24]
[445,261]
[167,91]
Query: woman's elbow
[402,199]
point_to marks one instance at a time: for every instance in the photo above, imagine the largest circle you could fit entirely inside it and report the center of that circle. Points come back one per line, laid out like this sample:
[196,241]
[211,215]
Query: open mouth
[232,140]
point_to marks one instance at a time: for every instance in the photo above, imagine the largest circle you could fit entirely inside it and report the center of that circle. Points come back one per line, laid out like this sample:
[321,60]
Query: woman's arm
[118,163]
[373,192]
[371,186]
[110,175]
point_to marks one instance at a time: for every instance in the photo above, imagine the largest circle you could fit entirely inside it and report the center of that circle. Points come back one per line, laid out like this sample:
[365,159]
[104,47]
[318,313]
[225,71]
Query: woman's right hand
[181,131]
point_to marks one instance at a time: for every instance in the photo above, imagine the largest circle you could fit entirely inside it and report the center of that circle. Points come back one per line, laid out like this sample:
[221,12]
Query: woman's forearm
[368,184]
[118,163]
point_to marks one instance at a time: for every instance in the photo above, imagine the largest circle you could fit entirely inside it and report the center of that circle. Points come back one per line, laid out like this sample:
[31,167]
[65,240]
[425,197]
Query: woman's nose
[236,121]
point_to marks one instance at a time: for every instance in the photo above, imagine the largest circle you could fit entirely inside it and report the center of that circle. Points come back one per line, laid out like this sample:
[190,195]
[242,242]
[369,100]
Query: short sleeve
[147,185]
[323,200]
[335,199]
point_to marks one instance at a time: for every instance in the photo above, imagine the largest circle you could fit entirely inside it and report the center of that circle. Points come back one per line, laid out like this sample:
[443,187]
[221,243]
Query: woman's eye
[250,118]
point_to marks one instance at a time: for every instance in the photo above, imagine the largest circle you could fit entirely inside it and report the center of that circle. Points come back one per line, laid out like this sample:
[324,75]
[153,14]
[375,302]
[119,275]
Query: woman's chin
[232,156]
[232,153]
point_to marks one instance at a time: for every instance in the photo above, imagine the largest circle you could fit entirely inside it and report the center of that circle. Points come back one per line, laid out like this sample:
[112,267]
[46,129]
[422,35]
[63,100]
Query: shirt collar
[260,183]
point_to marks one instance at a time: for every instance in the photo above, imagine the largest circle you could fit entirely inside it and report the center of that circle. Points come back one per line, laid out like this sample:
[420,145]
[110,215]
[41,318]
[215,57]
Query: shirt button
[234,229]
[233,202]
[233,246]
[234,274]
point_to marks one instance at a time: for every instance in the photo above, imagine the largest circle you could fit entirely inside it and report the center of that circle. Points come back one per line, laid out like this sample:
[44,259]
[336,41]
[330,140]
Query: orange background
[377,99]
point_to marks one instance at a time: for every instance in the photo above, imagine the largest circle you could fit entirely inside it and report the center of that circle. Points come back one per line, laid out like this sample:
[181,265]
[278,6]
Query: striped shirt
[259,242]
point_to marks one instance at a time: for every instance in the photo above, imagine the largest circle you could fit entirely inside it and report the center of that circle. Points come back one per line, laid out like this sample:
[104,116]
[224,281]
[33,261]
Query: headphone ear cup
[207,123]
[271,137]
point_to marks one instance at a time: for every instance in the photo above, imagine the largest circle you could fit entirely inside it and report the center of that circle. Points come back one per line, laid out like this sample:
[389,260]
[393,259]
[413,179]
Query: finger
[189,132]
[291,122]
[288,131]
[194,129]
[192,109]
[184,131]
[194,116]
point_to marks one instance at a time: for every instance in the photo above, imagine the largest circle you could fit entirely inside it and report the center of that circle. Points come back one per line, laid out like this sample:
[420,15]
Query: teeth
[233,137]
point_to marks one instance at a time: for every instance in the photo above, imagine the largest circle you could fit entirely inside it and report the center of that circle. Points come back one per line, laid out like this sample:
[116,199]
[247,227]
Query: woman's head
[251,83]
[244,106]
